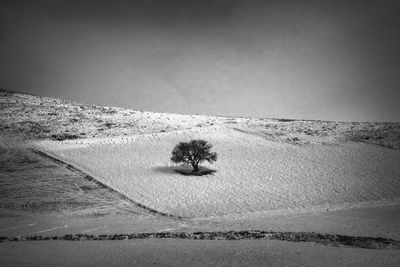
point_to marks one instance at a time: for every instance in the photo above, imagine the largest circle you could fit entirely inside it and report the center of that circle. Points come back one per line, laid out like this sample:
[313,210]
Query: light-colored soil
[39,196]
[175,252]
[273,175]
[33,117]
[374,220]
[254,175]
[379,221]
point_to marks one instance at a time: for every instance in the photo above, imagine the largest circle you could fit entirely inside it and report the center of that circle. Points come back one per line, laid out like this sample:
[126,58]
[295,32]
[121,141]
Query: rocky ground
[38,118]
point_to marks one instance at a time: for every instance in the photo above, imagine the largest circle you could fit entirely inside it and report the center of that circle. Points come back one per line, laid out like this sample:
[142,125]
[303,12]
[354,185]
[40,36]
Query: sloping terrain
[264,164]
[43,196]
[30,182]
[253,174]
[272,174]
[33,117]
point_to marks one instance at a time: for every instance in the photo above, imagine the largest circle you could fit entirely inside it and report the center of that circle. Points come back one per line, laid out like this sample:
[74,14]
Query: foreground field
[41,196]
[175,252]
[254,175]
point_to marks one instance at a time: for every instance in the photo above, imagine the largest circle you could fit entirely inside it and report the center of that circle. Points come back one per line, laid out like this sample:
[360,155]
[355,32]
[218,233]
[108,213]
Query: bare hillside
[38,118]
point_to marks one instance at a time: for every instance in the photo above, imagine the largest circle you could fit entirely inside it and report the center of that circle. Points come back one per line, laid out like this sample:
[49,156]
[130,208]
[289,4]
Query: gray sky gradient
[329,60]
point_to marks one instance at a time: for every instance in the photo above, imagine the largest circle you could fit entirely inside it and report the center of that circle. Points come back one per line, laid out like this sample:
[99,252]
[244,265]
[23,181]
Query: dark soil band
[326,239]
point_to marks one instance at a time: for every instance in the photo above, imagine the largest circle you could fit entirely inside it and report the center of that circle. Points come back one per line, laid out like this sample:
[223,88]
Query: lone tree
[193,153]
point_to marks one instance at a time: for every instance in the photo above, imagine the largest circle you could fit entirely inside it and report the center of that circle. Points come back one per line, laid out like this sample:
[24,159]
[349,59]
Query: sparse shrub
[64,136]
[285,120]
[193,153]
[112,111]
[109,124]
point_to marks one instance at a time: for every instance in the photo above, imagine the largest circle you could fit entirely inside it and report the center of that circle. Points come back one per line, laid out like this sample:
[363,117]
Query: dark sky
[334,60]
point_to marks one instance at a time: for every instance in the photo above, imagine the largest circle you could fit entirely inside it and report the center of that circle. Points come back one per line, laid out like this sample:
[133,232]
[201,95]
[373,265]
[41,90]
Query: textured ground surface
[348,186]
[30,182]
[33,117]
[175,252]
[254,175]
[40,196]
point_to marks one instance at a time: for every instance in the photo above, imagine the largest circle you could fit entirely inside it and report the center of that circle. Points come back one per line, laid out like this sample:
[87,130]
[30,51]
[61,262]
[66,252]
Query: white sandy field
[255,176]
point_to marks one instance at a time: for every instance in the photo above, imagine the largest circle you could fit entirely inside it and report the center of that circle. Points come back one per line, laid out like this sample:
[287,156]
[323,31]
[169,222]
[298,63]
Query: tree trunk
[195,167]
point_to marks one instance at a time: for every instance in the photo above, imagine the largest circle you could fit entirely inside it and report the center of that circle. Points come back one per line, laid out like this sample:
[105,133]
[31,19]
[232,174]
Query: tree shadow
[165,169]
[184,170]
[201,172]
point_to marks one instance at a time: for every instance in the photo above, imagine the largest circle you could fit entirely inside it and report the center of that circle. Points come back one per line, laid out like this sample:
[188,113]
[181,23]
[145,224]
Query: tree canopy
[193,153]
